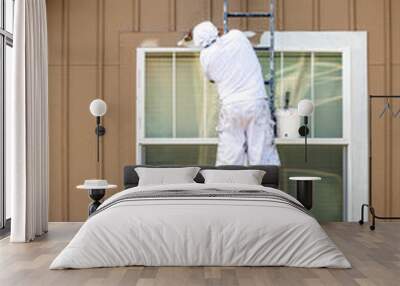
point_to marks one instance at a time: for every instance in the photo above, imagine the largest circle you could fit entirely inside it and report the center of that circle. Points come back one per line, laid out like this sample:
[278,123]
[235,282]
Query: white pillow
[166,176]
[248,177]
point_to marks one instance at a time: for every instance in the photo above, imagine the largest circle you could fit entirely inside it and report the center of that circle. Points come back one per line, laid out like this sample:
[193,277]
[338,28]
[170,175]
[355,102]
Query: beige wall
[92,54]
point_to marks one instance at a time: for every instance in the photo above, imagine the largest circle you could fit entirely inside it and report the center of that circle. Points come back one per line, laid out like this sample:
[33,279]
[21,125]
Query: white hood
[204,34]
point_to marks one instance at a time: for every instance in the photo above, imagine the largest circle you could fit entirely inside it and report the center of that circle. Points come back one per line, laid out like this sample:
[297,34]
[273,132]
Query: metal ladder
[271,48]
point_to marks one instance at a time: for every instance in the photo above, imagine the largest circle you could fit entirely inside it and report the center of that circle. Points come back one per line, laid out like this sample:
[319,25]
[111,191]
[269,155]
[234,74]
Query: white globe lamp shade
[98,107]
[305,107]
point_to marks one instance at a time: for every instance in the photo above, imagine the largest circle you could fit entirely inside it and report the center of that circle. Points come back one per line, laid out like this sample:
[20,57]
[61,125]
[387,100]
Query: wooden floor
[375,257]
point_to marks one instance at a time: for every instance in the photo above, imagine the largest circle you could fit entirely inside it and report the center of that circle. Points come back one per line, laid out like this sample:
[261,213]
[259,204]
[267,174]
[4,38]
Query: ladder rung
[262,48]
[248,14]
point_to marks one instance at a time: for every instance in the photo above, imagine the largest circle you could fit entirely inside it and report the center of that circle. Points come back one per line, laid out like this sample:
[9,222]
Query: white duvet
[200,231]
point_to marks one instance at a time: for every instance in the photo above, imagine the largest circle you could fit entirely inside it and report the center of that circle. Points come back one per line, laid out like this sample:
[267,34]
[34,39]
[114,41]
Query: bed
[198,224]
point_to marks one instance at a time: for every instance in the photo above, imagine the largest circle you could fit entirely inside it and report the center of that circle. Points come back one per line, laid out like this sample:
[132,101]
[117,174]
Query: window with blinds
[158,99]
[181,103]
[180,115]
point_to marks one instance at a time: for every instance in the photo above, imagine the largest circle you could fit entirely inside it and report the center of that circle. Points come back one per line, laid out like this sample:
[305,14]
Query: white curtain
[27,122]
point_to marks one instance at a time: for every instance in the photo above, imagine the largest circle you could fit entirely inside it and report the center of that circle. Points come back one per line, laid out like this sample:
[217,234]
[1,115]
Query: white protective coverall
[245,126]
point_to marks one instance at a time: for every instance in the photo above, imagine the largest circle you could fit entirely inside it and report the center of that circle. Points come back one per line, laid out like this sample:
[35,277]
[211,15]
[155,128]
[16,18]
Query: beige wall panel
[370,17]
[83,45]
[127,117]
[298,15]
[83,32]
[396,79]
[127,106]
[259,25]
[154,15]
[119,17]
[395,32]
[236,6]
[334,15]
[217,13]
[82,140]
[191,12]
[376,79]
[394,160]
[112,171]
[55,126]
[379,171]
[127,102]
[54,27]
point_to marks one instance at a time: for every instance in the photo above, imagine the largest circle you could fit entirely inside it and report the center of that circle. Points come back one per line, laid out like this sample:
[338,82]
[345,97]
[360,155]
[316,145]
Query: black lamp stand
[304,131]
[100,131]
[96,195]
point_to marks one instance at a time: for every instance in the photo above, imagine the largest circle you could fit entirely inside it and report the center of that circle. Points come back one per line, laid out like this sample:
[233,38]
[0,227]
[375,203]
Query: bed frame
[270,179]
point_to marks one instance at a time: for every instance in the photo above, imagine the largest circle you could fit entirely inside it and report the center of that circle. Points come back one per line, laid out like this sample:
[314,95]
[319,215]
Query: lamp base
[100,130]
[304,130]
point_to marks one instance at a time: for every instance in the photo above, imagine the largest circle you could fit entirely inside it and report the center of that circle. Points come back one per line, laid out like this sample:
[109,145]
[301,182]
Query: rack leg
[372,226]
[374,216]
[361,221]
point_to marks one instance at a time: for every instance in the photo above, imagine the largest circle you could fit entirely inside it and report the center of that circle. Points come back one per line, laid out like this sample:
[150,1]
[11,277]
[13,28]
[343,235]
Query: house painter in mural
[245,128]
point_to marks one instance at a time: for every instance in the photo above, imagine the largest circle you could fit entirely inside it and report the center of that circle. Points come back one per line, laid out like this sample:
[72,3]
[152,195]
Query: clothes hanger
[396,114]
[388,107]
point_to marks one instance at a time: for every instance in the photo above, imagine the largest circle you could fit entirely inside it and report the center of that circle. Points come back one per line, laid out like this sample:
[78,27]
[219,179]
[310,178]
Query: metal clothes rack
[270,82]
[369,205]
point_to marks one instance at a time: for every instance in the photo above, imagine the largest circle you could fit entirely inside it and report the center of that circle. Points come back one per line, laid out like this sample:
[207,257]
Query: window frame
[353,47]
[6,39]
[141,91]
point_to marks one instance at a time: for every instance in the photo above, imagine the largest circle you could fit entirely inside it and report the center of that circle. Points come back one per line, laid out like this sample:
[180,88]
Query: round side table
[96,194]
[305,190]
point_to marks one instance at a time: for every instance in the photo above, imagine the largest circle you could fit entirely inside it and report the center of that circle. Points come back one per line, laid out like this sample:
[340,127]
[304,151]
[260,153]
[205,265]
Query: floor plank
[375,257]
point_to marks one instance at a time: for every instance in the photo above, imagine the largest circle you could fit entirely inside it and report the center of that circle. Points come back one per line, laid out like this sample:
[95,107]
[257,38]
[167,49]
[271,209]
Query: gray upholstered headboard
[270,179]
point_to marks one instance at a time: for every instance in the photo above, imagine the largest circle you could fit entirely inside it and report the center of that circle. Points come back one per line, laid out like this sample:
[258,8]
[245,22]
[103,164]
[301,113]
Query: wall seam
[172,15]
[388,91]
[100,76]
[316,15]
[245,21]
[65,113]
[282,15]
[136,16]
[209,11]
[352,15]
